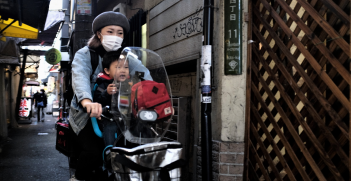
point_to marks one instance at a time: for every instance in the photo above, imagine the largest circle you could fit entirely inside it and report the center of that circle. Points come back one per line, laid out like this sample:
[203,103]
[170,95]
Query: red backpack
[151,95]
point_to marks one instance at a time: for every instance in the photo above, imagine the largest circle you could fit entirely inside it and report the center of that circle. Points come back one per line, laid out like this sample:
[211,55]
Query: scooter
[143,112]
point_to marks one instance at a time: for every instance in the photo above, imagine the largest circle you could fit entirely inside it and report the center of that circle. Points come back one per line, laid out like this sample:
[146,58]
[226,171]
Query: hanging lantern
[53,56]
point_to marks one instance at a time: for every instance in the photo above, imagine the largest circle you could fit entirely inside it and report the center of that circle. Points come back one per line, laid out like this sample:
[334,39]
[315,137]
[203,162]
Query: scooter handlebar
[96,128]
[105,110]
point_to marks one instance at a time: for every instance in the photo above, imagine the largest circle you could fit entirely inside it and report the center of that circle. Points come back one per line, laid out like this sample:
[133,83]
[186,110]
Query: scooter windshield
[143,106]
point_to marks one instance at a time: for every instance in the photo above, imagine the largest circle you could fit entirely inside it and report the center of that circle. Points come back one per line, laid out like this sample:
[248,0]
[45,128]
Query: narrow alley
[182,90]
[30,153]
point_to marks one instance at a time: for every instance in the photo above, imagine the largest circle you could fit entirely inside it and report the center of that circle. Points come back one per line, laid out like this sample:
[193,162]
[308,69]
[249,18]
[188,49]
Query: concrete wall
[175,33]
[230,95]
[15,84]
[228,106]
[149,4]
[3,121]
[175,30]
[13,87]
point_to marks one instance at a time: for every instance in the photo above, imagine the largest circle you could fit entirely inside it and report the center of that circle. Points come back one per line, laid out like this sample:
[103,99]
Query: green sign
[53,56]
[232,37]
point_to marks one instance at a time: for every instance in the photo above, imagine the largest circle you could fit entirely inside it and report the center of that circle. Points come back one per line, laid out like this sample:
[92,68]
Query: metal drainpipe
[19,8]
[206,61]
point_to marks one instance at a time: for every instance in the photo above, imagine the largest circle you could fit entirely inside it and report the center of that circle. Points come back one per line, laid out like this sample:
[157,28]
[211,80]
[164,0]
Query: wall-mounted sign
[232,37]
[84,7]
[53,56]
[51,84]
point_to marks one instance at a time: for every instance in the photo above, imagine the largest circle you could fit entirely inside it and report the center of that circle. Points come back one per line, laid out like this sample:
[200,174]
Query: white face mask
[111,43]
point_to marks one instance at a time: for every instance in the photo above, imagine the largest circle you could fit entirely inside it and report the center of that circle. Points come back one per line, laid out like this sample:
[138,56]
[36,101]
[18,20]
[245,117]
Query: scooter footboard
[149,162]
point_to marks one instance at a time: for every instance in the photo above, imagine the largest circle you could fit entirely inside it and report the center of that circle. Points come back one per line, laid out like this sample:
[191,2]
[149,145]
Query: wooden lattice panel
[299,90]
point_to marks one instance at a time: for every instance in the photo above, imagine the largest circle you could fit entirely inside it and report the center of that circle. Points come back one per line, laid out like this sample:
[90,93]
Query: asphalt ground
[30,155]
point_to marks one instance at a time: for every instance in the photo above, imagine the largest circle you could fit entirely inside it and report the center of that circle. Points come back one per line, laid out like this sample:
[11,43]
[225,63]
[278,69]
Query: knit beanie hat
[110,18]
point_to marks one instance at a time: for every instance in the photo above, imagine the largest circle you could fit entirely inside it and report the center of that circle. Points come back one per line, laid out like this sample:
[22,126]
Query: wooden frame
[298,90]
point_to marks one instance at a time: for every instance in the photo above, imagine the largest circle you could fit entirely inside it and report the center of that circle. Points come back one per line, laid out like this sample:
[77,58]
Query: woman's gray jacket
[82,86]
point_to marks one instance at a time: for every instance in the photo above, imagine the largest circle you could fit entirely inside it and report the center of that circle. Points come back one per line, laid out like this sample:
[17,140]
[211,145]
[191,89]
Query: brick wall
[227,161]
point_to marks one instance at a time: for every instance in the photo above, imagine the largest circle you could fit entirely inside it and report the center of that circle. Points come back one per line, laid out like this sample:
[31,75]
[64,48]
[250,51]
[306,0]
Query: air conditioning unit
[121,8]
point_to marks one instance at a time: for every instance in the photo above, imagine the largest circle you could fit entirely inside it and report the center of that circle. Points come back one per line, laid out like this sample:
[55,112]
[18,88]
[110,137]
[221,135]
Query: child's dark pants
[108,131]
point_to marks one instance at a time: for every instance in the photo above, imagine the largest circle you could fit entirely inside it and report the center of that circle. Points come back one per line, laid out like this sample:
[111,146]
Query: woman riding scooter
[109,29]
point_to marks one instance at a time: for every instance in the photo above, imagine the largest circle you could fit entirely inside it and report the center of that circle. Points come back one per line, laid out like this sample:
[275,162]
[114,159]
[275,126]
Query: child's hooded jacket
[100,95]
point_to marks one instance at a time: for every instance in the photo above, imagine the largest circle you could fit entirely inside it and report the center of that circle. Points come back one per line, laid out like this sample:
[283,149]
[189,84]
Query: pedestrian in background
[40,103]
[34,107]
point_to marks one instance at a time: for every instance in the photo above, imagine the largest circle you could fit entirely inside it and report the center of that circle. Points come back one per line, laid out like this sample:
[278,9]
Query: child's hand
[111,89]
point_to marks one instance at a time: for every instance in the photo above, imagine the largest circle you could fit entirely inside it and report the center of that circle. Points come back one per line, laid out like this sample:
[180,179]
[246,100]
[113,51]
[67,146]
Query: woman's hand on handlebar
[93,109]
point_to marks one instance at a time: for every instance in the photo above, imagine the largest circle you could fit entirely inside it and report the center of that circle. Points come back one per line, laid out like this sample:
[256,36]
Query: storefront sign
[232,29]
[53,56]
[25,107]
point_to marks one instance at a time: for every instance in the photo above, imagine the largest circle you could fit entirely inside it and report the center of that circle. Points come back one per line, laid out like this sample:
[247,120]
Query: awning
[53,18]
[53,24]
[30,12]
[15,30]
[45,38]
[36,31]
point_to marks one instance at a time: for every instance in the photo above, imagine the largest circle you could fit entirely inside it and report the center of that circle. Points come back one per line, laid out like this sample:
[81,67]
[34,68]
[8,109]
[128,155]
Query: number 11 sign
[232,30]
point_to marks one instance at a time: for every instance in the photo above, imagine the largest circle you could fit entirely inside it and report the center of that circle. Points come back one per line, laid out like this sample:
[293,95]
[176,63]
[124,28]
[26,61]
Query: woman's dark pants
[87,151]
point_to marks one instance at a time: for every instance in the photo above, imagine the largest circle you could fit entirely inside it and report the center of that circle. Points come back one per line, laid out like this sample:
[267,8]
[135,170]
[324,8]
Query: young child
[113,67]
